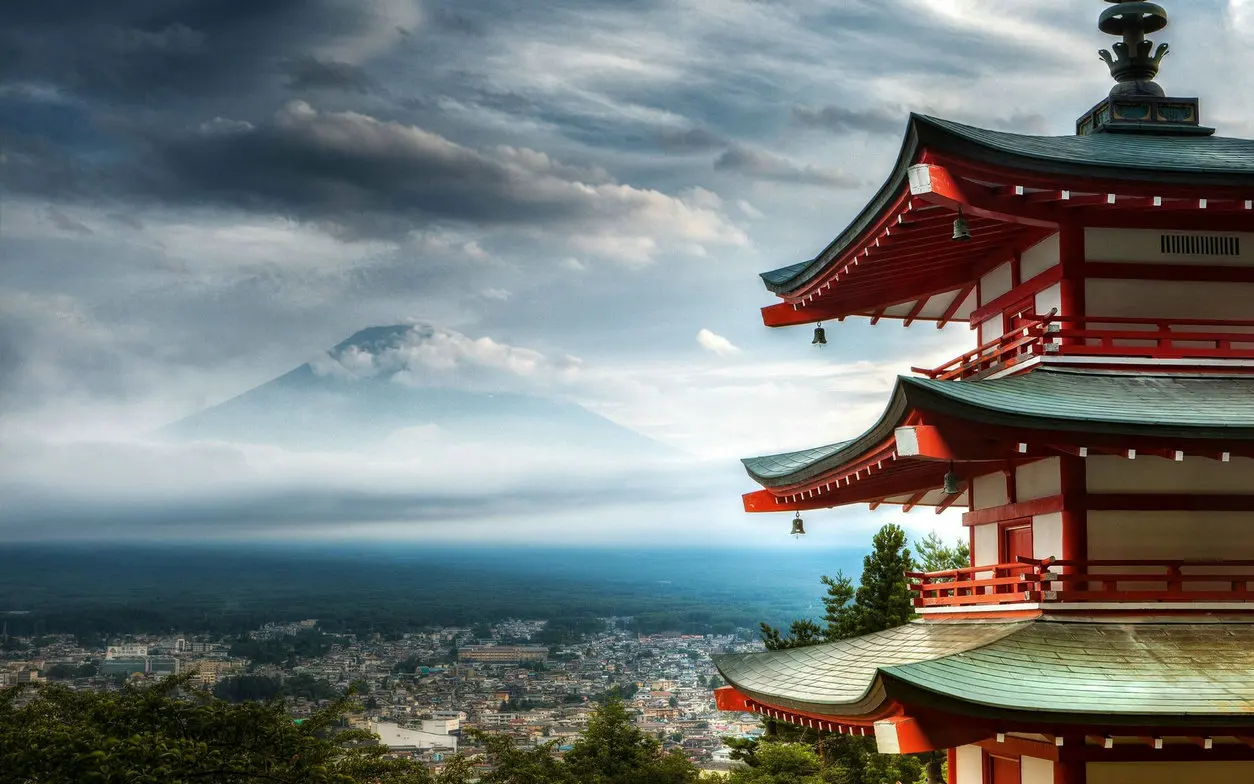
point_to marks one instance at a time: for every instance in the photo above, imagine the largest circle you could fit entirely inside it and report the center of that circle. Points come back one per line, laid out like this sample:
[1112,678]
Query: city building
[1100,435]
[502,654]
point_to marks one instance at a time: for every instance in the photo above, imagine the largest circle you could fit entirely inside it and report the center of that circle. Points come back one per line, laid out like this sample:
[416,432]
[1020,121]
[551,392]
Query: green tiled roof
[1098,402]
[1081,672]
[839,676]
[1128,157]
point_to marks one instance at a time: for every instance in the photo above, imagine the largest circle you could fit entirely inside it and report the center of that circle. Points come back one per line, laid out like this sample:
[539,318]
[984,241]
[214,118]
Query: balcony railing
[1052,581]
[1099,337]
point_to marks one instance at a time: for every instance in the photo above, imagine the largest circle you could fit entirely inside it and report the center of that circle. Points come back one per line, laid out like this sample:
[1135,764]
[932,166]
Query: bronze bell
[962,231]
[820,336]
[952,485]
[798,526]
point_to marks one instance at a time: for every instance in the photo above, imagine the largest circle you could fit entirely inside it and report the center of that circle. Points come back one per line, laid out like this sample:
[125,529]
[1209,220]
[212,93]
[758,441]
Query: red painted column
[1070,772]
[951,766]
[1075,517]
[1071,255]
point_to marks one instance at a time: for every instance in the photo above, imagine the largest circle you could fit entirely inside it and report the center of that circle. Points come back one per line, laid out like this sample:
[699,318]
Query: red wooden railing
[1103,336]
[1055,581]
[1008,583]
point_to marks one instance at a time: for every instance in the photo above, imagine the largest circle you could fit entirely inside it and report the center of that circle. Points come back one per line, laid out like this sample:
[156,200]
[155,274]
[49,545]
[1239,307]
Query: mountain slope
[305,408]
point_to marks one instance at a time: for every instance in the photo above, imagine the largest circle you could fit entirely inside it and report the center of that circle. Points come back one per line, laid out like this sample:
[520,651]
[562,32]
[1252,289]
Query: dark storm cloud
[376,175]
[312,73]
[763,165]
[690,140]
[880,119]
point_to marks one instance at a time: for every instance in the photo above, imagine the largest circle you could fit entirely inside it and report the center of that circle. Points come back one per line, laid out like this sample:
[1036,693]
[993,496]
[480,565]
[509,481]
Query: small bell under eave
[798,526]
[953,486]
[820,336]
[962,230]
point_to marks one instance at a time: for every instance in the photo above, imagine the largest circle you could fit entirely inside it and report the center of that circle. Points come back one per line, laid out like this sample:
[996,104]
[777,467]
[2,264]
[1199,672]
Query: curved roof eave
[1171,160]
[787,279]
[1094,402]
[773,471]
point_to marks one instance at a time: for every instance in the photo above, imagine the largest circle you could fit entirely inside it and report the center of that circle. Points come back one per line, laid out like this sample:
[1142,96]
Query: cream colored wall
[1047,536]
[989,490]
[991,330]
[1036,771]
[1039,258]
[1168,299]
[1171,535]
[986,545]
[1193,475]
[995,283]
[1144,246]
[1041,479]
[1169,772]
[1049,299]
[971,765]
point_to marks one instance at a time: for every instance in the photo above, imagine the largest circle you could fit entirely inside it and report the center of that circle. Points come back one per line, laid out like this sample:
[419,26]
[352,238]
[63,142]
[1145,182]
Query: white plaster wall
[1193,475]
[995,283]
[989,490]
[1036,771]
[1039,258]
[1168,299]
[971,765]
[1145,246]
[1047,536]
[1171,536]
[986,545]
[991,330]
[1048,299]
[1041,479]
[1169,772]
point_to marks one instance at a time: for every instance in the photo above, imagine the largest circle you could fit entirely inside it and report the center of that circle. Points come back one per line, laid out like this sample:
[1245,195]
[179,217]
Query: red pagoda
[1101,437]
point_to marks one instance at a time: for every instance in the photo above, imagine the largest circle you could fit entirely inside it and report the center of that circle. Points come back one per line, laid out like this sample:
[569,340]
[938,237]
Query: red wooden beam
[1168,272]
[914,500]
[915,311]
[949,501]
[1167,502]
[952,309]
[1023,509]
[937,185]
[1032,287]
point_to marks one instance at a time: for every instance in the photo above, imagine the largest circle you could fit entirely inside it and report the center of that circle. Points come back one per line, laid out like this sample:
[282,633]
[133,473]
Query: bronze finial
[1133,65]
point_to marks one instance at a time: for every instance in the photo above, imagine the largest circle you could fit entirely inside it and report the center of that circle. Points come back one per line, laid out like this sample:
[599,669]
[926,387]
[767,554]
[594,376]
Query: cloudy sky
[577,195]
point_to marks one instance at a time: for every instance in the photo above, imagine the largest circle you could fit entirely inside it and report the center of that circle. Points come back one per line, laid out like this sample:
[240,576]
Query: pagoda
[1100,436]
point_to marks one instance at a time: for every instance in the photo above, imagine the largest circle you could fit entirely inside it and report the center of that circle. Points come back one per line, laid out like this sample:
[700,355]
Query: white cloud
[425,355]
[716,343]
[500,295]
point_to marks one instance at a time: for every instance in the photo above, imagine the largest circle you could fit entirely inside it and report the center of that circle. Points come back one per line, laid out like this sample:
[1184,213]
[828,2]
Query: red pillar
[1075,518]
[1071,255]
[951,766]
[1070,772]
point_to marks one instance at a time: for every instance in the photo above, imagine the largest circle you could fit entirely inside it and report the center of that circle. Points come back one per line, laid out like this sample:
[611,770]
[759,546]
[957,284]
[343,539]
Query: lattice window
[1200,245]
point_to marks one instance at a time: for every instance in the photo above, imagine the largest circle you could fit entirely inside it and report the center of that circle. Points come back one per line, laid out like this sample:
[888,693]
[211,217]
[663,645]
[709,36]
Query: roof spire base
[1143,113]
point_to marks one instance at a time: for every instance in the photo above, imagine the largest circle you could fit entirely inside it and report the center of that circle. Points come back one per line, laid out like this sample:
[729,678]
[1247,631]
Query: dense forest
[96,593]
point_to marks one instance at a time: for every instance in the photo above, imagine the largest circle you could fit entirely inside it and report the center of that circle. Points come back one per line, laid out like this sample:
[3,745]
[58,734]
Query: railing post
[1174,583]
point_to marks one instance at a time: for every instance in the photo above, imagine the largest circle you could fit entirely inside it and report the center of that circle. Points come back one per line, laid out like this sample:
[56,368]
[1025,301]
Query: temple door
[1016,542]
[1004,771]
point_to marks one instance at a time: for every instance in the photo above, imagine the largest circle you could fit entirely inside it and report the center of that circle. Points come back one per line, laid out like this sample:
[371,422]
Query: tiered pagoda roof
[1047,411]
[897,258]
[1043,671]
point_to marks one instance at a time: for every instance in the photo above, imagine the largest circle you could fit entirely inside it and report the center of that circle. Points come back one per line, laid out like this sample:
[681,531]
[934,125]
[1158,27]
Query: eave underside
[897,259]
[962,426]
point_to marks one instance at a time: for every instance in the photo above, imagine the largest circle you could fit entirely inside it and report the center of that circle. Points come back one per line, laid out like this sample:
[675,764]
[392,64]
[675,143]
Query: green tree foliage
[933,555]
[880,601]
[613,750]
[286,650]
[789,763]
[154,736]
